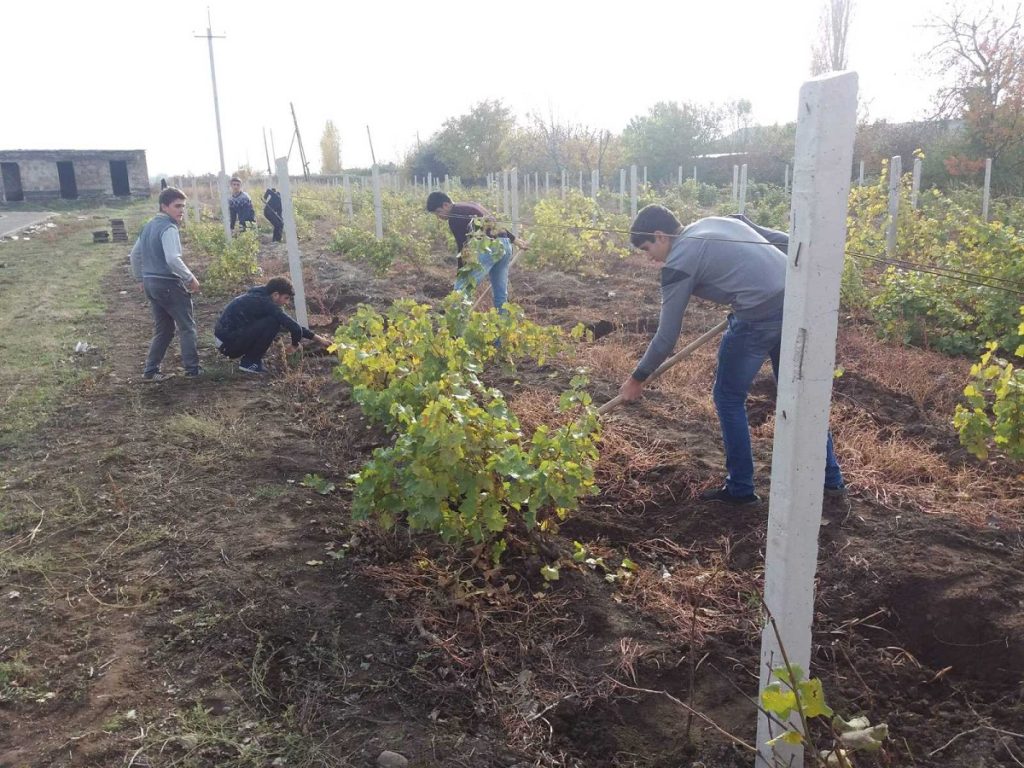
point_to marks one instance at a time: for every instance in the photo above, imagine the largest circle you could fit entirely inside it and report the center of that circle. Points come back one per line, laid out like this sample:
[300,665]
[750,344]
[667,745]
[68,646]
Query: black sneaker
[254,368]
[154,378]
[837,492]
[195,374]
[722,494]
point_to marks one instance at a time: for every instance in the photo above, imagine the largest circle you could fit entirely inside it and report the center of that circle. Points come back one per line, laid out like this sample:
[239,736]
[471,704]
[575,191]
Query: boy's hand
[322,340]
[631,390]
[193,287]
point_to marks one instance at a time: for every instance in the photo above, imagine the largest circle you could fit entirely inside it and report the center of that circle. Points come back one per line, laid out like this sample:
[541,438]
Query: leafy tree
[984,57]
[474,144]
[426,158]
[829,53]
[330,149]
[669,134]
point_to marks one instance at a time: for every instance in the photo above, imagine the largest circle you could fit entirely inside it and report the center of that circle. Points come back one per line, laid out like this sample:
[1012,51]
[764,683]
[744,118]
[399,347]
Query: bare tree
[829,53]
[984,57]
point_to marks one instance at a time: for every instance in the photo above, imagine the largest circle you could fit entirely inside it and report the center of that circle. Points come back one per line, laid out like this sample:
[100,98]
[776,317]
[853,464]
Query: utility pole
[302,152]
[378,205]
[270,168]
[222,180]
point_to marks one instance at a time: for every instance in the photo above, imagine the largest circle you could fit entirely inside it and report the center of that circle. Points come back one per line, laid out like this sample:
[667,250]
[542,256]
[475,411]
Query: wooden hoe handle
[685,352]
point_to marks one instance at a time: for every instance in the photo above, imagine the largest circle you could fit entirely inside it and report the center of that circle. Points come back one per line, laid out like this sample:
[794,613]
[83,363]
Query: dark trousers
[252,342]
[171,306]
[278,223]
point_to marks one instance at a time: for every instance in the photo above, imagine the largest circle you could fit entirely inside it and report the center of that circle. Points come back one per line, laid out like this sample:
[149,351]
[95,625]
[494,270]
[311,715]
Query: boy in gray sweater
[169,285]
[727,260]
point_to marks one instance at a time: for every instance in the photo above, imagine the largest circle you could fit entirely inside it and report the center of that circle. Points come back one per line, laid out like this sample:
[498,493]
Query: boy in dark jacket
[272,211]
[251,322]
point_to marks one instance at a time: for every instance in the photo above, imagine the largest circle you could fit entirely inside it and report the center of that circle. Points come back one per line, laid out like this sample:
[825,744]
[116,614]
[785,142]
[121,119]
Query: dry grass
[932,381]
[501,646]
[900,472]
[696,595]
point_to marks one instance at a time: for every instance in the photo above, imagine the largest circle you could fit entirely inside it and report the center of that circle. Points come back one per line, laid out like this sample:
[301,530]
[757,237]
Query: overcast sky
[129,74]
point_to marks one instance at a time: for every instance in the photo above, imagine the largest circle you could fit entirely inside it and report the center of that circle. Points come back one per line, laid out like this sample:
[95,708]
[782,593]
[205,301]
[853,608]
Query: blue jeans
[743,350]
[171,305]
[494,262]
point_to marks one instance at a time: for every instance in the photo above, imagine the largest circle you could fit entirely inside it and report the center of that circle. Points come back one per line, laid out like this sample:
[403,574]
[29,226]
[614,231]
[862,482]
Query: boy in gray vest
[169,285]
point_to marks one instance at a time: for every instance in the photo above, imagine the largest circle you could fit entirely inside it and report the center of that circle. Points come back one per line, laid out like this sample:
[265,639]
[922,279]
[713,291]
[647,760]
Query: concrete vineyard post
[915,189]
[988,189]
[821,185]
[378,206]
[632,192]
[291,239]
[742,204]
[895,172]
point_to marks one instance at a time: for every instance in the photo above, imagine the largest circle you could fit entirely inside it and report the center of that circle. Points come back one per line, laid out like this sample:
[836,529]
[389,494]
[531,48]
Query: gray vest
[154,260]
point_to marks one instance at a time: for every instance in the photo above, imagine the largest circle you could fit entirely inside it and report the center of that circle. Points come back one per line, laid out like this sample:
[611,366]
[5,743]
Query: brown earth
[173,596]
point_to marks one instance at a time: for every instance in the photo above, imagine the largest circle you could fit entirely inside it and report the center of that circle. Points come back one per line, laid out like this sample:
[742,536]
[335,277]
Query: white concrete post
[785,181]
[581,182]
[645,175]
[547,183]
[291,239]
[821,185]
[680,176]
[632,192]
[378,206]
[595,182]
[695,174]
[197,206]
[861,182]
[742,205]
[622,190]
[563,183]
[915,189]
[536,185]
[515,201]
[430,183]
[347,188]
[225,211]
[988,189]
[447,183]
[895,172]
[735,183]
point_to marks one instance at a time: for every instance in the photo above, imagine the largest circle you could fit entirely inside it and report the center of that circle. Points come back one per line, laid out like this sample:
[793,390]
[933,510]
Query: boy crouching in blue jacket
[251,322]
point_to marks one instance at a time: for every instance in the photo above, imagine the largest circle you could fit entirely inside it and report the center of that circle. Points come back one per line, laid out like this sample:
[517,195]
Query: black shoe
[722,494]
[838,492]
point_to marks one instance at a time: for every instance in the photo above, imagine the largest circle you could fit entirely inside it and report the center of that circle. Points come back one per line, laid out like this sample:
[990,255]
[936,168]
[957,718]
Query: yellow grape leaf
[812,697]
[789,737]
[778,700]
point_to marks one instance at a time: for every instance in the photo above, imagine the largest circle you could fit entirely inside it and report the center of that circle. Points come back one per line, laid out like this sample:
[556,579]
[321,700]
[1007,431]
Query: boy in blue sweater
[251,322]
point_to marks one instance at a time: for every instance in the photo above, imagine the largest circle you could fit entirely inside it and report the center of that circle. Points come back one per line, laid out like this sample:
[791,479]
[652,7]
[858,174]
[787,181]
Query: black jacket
[251,307]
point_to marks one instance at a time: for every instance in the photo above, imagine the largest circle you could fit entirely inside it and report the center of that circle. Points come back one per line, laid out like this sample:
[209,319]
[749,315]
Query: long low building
[49,174]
